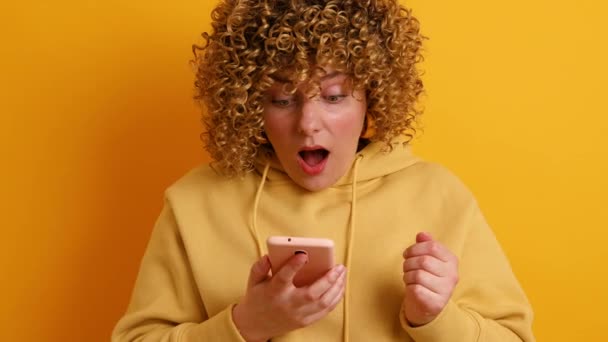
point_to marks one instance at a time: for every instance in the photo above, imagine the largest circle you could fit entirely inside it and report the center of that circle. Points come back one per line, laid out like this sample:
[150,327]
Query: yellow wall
[97,119]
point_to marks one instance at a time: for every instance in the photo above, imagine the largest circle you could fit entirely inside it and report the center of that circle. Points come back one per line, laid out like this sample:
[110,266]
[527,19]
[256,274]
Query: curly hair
[376,42]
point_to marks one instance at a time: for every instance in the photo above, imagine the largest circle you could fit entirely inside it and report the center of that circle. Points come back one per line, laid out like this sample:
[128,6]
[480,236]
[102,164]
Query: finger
[339,296]
[432,247]
[420,237]
[333,294]
[334,298]
[423,236]
[427,300]
[427,263]
[285,275]
[259,272]
[320,286]
[426,279]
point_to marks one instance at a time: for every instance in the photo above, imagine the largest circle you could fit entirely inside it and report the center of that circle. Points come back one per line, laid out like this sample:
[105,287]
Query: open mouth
[313,157]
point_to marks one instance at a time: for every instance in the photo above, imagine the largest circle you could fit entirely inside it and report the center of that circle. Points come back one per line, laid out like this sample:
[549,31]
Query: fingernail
[340,269]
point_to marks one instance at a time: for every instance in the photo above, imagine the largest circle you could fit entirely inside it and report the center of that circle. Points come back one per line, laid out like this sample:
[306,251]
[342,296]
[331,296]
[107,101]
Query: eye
[334,98]
[282,102]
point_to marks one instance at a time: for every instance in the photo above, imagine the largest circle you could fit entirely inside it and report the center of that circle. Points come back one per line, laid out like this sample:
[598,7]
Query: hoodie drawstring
[256,203]
[349,236]
[349,249]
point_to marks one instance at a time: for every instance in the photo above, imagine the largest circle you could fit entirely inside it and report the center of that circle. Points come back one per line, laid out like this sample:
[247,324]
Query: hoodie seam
[477,323]
[180,332]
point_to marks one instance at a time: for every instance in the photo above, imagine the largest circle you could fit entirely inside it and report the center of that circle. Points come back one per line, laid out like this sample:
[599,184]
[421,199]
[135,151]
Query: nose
[309,121]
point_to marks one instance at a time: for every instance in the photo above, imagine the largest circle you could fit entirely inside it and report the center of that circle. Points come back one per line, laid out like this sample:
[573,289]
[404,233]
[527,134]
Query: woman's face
[315,139]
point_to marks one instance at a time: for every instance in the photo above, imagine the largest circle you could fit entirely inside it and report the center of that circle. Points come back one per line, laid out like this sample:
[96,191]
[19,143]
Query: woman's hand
[273,306]
[430,273]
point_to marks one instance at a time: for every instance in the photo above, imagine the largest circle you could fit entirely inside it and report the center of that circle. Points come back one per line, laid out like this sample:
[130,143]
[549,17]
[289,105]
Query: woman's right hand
[273,306]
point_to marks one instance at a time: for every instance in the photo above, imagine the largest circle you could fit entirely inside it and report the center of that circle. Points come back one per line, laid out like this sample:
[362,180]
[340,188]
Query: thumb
[285,275]
[259,272]
[423,236]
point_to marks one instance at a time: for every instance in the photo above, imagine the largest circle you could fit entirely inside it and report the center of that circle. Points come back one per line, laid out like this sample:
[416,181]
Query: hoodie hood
[375,161]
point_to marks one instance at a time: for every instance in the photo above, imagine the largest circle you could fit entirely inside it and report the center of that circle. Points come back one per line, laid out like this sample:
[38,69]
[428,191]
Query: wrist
[248,330]
[417,323]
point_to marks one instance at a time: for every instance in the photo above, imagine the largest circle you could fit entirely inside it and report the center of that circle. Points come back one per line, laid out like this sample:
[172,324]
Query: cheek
[359,111]
[273,125]
[278,130]
[350,128]
[350,125]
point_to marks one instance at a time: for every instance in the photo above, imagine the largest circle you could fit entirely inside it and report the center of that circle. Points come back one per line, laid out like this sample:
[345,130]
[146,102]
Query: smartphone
[320,256]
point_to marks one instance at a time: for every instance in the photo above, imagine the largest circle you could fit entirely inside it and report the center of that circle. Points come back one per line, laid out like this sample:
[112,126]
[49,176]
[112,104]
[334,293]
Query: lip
[312,148]
[312,170]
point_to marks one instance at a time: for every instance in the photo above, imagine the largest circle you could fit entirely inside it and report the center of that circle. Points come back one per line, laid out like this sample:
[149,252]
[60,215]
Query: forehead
[320,75]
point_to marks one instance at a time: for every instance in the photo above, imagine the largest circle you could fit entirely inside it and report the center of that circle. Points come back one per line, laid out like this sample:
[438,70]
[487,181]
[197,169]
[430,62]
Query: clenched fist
[430,273]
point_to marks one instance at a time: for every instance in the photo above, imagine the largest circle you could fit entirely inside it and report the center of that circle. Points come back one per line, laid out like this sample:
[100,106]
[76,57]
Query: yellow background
[97,119]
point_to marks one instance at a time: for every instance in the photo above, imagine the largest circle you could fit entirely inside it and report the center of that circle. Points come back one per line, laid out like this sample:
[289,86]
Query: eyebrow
[282,79]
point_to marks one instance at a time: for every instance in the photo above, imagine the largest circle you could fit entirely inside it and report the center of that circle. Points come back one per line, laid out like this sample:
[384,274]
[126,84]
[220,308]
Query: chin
[314,185]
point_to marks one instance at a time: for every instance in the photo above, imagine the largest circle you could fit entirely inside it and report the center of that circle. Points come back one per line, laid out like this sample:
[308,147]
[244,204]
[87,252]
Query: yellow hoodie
[208,235]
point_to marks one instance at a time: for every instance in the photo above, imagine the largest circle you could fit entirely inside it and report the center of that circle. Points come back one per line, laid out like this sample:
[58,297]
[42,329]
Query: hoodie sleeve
[166,305]
[488,303]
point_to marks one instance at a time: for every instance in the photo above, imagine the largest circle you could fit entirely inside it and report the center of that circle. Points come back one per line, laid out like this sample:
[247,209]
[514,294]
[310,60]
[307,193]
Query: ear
[369,127]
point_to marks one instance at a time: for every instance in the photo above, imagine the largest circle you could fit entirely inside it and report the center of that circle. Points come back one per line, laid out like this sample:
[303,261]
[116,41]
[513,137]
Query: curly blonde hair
[376,42]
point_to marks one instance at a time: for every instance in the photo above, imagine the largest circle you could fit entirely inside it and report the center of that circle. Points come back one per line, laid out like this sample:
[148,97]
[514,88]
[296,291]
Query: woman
[311,105]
